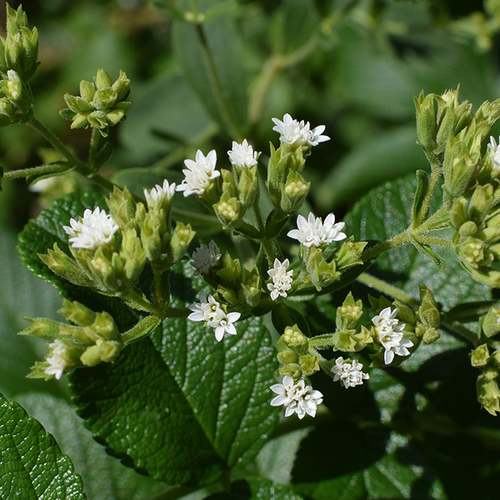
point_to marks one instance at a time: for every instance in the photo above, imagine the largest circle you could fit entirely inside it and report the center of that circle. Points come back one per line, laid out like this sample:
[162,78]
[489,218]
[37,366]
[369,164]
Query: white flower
[92,230]
[296,397]
[211,312]
[282,279]
[199,173]
[495,152]
[299,133]
[313,232]
[56,360]
[242,155]
[390,334]
[223,323]
[205,257]
[349,372]
[159,195]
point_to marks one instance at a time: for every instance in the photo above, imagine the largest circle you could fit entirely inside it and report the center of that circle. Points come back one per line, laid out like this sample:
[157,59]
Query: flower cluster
[92,230]
[199,174]
[213,314]
[298,133]
[390,334]
[281,279]
[159,195]
[56,360]
[349,372]
[313,232]
[296,397]
[242,155]
[494,152]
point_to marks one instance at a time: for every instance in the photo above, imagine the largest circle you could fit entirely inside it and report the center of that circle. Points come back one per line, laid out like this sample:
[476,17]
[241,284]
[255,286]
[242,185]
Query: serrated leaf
[220,81]
[104,477]
[183,407]
[46,229]
[31,463]
[385,212]
[21,294]
[257,488]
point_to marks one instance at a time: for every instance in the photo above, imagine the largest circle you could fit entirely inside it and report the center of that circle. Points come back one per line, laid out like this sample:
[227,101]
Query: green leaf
[46,229]
[257,488]
[182,407]
[299,23]
[211,58]
[31,464]
[172,98]
[103,155]
[387,155]
[105,478]
[386,211]
[373,463]
[21,294]
[422,184]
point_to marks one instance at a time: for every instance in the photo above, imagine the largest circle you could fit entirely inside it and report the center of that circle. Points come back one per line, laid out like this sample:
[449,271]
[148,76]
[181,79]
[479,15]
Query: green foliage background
[353,66]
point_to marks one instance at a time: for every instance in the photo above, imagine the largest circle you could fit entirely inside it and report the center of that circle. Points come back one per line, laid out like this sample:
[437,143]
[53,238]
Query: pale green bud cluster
[287,188]
[295,356]
[488,390]
[91,339]
[19,49]
[100,105]
[476,220]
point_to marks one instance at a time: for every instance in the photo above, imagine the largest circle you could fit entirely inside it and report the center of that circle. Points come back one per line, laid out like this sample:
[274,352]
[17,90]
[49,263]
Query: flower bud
[468,228]
[181,239]
[292,369]
[426,121]
[488,394]
[102,351]
[473,252]
[286,357]
[248,186]
[491,322]
[349,313]
[430,335]
[352,340]
[294,193]
[251,288]
[459,213]
[77,313]
[228,210]
[481,202]
[309,364]
[480,356]
[428,312]
[295,339]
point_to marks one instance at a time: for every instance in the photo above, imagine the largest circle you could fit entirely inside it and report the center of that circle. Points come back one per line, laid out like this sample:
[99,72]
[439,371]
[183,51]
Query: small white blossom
[212,313]
[205,257]
[92,230]
[199,173]
[282,279]
[495,152]
[299,133]
[223,323]
[390,334]
[349,372]
[158,195]
[56,360]
[296,397]
[242,155]
[313,232]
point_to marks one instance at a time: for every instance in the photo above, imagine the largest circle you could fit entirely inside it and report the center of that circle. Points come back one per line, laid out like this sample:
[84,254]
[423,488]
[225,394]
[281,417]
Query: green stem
[322,341]
[384,287]
[58,145]
[438,242]
[395,241]
[465,333]
[94,146]
[137,300]
[141,329]
[40,170]
[436,171]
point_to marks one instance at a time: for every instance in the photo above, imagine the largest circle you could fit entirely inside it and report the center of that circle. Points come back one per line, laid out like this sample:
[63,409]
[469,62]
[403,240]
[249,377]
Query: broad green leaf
[299,23]
[385,156]
[31,464]
[385,212]
[168,106]
[257,488]
[41,233]
[338,460]
[104,477]
[183,407]
[211,58]
[21,294]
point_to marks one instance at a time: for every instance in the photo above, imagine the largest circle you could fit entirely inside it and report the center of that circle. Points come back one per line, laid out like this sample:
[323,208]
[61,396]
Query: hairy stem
[384,287]
[40,170]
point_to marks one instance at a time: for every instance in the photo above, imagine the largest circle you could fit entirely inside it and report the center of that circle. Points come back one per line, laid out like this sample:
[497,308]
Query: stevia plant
[186,353]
